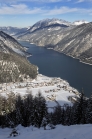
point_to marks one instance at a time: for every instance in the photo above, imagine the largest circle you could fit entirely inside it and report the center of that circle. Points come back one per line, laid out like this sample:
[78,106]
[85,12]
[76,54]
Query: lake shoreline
[59,52]
[56,64]
[68,56]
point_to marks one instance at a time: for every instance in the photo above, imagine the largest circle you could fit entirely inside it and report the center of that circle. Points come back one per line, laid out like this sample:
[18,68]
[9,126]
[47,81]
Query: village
[55,90]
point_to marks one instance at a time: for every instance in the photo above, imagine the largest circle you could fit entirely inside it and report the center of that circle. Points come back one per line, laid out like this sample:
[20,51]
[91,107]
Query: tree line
[34,111]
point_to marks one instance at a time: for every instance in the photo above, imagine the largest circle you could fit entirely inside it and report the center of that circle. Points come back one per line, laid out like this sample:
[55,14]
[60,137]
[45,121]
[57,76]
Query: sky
[23,13]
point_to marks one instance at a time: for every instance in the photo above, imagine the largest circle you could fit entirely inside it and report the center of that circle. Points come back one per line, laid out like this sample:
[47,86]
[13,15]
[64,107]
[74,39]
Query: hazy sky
[26,12]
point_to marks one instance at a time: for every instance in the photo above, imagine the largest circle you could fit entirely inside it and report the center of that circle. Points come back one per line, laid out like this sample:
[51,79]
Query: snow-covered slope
[8,44]
[58,24]
[49,22]
[60,132]
[53,21]
[80,22]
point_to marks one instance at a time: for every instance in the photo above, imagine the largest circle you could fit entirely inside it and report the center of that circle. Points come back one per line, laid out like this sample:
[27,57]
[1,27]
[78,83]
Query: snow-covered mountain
[80,22]
[13,30]
[75,41]
[50,23]
[45,26]
[46,22]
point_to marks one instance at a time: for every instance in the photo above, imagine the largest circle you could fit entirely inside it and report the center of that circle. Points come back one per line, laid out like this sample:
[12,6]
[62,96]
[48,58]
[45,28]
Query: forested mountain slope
[13,64]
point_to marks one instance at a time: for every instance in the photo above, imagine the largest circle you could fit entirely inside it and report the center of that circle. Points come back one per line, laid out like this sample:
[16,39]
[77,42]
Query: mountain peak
[48,23]
[79,22]
[53,21]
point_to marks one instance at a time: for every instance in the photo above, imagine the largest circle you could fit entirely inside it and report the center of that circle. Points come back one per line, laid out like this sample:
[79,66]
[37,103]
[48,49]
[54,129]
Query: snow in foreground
[60,132]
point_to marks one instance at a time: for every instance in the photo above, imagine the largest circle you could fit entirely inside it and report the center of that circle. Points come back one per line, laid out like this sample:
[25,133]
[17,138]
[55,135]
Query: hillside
[75,41]
[9,44]
[15,68]
[13,65]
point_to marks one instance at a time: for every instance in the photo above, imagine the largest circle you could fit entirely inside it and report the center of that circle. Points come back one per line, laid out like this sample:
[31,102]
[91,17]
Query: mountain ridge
[13,30]
[62,36]
[74,41]
[13,63]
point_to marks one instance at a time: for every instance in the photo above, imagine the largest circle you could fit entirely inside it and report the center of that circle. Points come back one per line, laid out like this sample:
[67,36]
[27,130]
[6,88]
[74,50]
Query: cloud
[79,1]
[61,10]
[45,1]
[18,9]
[64,10]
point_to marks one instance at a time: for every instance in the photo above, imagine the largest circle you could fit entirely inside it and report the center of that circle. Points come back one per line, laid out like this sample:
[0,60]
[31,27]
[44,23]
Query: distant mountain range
[16,31]
[73,39]
[13,64]
[13,30]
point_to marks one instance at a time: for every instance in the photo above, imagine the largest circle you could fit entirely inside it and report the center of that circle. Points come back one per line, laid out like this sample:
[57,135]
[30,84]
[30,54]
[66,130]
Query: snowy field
[55,90]
[60,132]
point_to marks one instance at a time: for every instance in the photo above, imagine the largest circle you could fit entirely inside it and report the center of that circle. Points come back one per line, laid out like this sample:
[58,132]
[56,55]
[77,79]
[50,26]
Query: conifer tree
[79,112]
[89,111]
[40,109]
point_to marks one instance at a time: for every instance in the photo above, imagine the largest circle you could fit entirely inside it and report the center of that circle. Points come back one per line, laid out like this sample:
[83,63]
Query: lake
[54,64]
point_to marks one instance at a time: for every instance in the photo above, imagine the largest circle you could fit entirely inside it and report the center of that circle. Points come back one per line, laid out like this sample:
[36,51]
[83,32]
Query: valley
[72,40]
[34,88]
[17,75]
[46,69]
[54,64]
